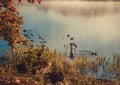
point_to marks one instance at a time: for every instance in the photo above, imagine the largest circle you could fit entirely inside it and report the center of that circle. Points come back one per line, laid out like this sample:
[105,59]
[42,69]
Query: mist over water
[79,8]
[95,26]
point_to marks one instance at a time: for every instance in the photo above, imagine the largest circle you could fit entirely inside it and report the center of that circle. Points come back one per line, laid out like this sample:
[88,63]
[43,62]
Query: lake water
[95,26]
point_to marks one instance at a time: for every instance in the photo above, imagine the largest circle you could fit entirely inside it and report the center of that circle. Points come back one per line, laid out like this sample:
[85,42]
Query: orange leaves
[17,81]
[39,1]
[29,1]
[20,2]
[10,24]
[32,1]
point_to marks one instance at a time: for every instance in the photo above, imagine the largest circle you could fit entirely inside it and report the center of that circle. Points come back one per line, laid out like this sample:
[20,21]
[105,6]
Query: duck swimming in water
[73,50]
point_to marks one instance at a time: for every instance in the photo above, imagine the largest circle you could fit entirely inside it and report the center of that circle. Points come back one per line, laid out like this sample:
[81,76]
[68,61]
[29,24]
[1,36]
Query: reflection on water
[99,33]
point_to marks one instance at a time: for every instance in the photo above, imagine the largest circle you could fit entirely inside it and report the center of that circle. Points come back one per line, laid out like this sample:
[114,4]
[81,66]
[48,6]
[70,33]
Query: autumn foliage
[29,1]
[10,23]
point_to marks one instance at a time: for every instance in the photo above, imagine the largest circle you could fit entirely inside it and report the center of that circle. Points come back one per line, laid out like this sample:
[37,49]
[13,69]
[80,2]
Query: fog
[77,8]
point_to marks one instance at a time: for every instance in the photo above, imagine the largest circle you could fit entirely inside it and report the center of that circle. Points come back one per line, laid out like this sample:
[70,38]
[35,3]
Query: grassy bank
[41,66]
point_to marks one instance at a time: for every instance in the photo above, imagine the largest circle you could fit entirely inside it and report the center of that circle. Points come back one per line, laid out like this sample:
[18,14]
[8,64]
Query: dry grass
[41,66]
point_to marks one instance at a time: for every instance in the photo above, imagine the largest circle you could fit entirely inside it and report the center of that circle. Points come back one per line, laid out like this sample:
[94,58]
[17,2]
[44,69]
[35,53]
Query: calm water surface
[94,26]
